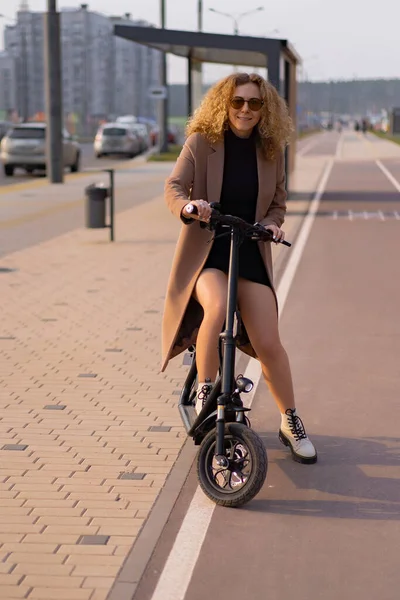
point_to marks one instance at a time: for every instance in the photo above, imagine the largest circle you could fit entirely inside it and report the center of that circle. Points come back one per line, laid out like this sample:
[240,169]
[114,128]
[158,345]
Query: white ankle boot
[293,434]
[203,391]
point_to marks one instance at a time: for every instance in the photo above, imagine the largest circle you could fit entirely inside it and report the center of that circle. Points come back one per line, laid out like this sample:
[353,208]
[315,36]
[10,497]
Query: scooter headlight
[244,384]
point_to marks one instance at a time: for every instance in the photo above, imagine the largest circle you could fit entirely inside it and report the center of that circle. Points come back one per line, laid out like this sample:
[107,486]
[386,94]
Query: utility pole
[54,113]
[163,102]
[25,76]
[200,15]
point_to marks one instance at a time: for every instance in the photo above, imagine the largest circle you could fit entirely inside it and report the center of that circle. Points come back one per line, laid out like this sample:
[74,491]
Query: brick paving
[89,429]
[81,401]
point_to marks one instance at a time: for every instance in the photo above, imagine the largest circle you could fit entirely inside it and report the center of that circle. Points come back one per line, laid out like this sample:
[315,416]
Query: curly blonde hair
[211,117]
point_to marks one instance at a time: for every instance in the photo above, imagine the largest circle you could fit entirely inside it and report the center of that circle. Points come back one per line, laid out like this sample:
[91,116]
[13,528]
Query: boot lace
[296,425]
[204,393]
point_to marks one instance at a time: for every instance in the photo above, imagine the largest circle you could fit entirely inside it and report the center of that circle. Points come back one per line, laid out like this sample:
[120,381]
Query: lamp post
[236,18]
[200,15]
[54,113]
[163,102]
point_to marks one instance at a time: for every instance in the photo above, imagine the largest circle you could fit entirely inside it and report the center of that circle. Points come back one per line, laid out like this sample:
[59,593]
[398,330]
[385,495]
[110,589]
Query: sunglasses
[254,103]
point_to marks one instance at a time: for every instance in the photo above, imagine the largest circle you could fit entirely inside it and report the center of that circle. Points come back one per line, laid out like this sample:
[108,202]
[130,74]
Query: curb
[135,564]
[33,184]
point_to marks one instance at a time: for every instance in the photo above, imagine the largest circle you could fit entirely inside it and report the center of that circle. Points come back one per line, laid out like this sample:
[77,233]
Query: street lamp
[237,18]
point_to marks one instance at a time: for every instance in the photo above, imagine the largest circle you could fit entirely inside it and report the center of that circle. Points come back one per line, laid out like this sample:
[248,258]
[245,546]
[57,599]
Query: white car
[116,138]
[144,137]
[24,146]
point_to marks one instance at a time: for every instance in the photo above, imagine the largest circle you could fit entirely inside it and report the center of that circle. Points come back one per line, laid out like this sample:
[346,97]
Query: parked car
[116,138]
[24,146]
[4,127]
[143,134]
[172,135]
[126,119]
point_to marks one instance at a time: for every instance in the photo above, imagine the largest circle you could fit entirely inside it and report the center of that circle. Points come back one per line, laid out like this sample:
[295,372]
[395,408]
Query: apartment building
[8,86]
[24,42]
[102,76]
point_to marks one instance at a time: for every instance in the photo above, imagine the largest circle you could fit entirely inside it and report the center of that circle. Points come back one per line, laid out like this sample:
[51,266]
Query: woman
[233,155]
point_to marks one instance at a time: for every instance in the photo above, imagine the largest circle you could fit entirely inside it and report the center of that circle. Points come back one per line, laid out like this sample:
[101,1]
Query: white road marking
[388,174]
[177,573]
[308,147]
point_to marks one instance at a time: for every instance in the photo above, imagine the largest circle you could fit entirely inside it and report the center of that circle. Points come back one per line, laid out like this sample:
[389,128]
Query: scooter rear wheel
[240,482]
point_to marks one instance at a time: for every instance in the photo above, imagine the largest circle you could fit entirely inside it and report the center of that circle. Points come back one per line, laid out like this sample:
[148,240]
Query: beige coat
[198,175]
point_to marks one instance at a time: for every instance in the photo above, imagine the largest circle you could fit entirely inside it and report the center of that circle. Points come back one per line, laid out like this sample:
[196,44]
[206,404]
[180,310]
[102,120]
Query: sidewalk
[89,428]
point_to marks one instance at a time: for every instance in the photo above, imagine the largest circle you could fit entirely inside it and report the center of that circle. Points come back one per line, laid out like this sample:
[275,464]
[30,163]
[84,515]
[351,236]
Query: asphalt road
[330,530]
[88,160]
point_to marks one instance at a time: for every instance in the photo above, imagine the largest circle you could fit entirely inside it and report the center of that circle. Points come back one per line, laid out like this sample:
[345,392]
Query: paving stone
[160,428]
[133,476]
[94,540]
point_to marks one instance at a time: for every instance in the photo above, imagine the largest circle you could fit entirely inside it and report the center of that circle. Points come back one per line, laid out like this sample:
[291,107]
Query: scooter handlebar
[230,220]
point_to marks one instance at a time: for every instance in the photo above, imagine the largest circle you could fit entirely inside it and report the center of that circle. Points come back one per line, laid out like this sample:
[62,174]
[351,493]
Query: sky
[337,39]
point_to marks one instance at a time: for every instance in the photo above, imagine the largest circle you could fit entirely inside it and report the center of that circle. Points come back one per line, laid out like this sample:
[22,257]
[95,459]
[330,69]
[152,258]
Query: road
[88,161]
[331,530]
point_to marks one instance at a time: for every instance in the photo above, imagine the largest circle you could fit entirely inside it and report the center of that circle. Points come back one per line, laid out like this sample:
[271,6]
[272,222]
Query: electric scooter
[232,460]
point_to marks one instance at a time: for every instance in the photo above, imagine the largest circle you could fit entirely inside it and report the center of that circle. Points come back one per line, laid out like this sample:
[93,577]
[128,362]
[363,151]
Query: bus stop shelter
[276,55]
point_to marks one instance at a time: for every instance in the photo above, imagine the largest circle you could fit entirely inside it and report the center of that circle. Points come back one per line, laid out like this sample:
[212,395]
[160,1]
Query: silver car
[116,138]
[24,146]
[4,127]
[143,134]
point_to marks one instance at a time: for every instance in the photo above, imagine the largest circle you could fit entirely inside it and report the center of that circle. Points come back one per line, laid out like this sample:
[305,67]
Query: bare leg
[211,293]
[258,310]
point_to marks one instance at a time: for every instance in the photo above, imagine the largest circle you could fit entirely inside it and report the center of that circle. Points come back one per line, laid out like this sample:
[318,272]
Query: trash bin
[96,195]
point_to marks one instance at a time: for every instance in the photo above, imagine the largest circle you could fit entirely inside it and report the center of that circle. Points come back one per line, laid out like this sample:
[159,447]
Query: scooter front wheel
[239,482]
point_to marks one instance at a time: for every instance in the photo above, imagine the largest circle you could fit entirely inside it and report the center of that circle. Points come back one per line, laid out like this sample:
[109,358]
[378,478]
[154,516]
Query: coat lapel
[215,172]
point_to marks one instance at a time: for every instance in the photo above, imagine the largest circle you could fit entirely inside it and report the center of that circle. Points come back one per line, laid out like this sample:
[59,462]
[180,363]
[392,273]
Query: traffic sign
[158,92]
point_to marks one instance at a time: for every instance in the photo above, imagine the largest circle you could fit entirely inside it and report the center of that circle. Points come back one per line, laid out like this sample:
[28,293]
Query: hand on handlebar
[209,213]
[277,234]
[198,209]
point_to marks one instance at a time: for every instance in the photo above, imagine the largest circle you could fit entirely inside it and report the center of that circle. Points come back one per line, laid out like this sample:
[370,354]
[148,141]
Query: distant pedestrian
[364,125]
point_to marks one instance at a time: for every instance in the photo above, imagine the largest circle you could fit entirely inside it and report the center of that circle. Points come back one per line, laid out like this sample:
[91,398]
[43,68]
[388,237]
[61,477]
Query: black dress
[239,198]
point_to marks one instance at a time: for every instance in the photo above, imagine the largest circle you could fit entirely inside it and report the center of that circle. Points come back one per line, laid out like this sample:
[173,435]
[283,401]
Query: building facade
[24,42]
[8,86]
[102,76]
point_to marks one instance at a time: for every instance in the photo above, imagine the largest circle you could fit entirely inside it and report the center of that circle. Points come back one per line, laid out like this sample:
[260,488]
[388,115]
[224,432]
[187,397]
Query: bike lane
[330,530]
